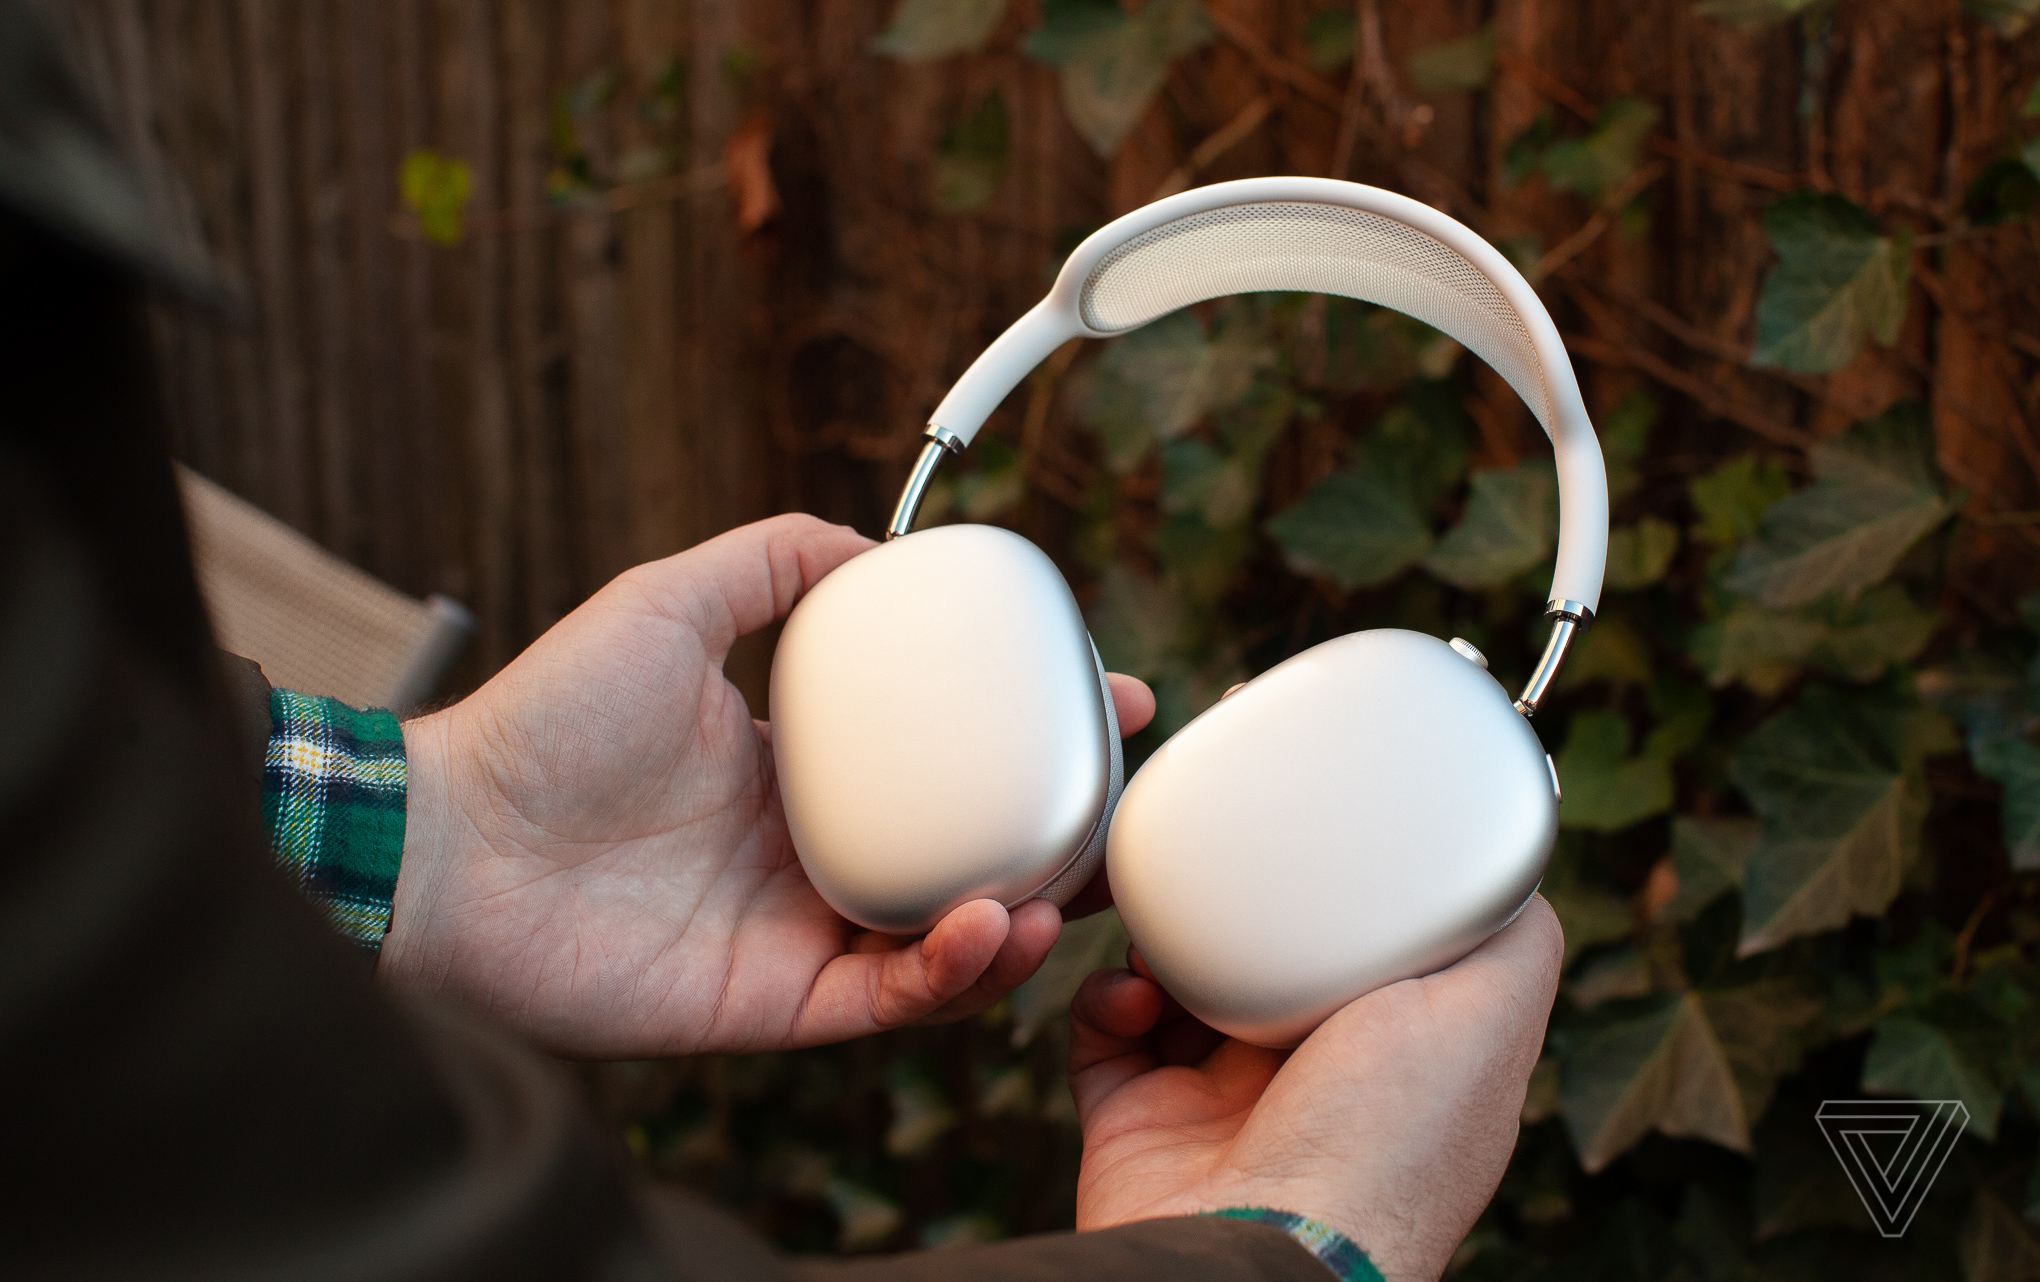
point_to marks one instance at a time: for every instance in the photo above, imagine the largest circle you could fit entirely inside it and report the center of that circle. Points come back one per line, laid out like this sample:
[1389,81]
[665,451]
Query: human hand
[1392,1123]
[595,851]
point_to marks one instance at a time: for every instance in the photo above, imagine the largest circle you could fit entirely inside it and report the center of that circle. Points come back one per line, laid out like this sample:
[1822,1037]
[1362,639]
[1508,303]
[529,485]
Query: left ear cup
[942,730]
[1069,881]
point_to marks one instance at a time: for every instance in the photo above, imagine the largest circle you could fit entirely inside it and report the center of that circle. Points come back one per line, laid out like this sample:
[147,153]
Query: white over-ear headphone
[1366,811]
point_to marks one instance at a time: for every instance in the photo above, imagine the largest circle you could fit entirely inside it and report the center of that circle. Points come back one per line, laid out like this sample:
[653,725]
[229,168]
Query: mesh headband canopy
[1314,248]
[1313,235]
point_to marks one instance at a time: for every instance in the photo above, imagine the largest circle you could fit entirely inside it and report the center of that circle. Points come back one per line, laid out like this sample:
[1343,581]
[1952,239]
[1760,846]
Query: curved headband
[1322,236]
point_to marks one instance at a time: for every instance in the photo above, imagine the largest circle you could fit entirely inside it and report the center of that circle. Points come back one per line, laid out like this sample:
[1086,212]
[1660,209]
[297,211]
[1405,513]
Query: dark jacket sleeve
[200,1080]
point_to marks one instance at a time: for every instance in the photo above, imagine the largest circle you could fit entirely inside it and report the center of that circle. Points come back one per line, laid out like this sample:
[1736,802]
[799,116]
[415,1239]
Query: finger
[739,582]
[1036,925]
[1505,987]
[1132,702]
[1110,1018]
[866,992]
[1518,964]
[1491,1006]
[1179,1036]
[1186,1039]
[1171,1008]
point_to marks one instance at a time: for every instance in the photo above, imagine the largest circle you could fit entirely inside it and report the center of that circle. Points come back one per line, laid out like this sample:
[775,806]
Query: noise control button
[1466,651]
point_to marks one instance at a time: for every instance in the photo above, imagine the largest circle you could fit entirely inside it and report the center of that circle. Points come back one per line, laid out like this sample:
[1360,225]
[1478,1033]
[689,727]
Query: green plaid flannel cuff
[333,800]
[1332,1248]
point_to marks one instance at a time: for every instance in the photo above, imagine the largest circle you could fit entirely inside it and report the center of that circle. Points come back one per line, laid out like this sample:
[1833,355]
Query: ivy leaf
[1877,494]
[863,1218]
[1140,627]
[1764,1030]
[1755,15]
[1995,1245]
[1858,640]
[1612,976]
[2015,763]
[1659,1068]
[1158,381]
[1510,523]
[1760,648]
[1839,280]
[1354,527]
[1798,1182]
[1683,712]
[1639,555]
[1708,859]
[2006,191]
[1588,914]
[921,1114]
[1606,789]
[1466,63]
[2010,18]
[1198,479]
[1732,499]
[1069,27]
[436,188]
[1837,780]
[1611,651]
[1328,40]
[1598,163]
[1421,445]
[924,29]
[1112,64]
[1910,1057]
[970,160]
[995,484]
[1625,435]
[1087,944]
[1697,1064]
[1864,639]
[1524,155]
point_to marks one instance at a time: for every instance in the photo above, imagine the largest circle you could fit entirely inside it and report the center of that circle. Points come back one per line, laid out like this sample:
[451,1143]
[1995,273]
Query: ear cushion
[1076,874]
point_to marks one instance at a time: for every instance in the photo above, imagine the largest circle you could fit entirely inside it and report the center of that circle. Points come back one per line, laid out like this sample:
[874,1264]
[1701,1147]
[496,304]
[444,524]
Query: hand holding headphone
[1366,811]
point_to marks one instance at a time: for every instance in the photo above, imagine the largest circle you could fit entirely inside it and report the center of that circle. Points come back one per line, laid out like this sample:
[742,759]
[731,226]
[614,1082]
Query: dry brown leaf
[747,168]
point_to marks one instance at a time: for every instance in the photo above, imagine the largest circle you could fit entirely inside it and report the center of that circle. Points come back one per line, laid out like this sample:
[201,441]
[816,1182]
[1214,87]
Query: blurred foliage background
[540,289]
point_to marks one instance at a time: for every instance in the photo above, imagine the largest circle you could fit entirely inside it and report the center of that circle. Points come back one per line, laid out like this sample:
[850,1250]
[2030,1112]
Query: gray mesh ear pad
[1076,874]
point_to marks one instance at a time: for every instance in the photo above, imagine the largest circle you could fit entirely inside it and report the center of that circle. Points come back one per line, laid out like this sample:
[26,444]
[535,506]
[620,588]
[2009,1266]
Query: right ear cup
[1069,881]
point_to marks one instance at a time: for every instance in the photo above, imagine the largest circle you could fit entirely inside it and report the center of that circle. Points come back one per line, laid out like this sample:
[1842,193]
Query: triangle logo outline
[1892,1187]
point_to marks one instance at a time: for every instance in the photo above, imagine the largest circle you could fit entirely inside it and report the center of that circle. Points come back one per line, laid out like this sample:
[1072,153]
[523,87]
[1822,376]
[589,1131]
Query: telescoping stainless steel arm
[1568,620]
[941,442]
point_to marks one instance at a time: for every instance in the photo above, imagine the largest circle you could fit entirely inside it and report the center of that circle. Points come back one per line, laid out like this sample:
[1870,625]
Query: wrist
[429,820]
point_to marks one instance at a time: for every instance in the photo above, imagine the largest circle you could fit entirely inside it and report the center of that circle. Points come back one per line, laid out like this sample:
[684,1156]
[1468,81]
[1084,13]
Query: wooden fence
[606,368]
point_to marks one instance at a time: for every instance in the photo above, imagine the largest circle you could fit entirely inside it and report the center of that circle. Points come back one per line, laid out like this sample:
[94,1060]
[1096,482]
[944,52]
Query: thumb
[748,578]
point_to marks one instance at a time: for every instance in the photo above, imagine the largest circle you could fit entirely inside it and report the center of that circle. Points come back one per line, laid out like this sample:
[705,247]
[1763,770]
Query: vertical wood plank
[548,545]
[589,265]
[653,35]
[330,319]
[273,251]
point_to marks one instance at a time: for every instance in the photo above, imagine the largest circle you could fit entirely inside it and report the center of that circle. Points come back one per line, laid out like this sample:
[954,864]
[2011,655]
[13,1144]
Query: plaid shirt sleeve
[333,801]
[1332,1248]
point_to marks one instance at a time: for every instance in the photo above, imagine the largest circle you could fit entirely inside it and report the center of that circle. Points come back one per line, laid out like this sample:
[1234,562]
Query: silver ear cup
[1064,886]
[941,728]
[1364,812]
